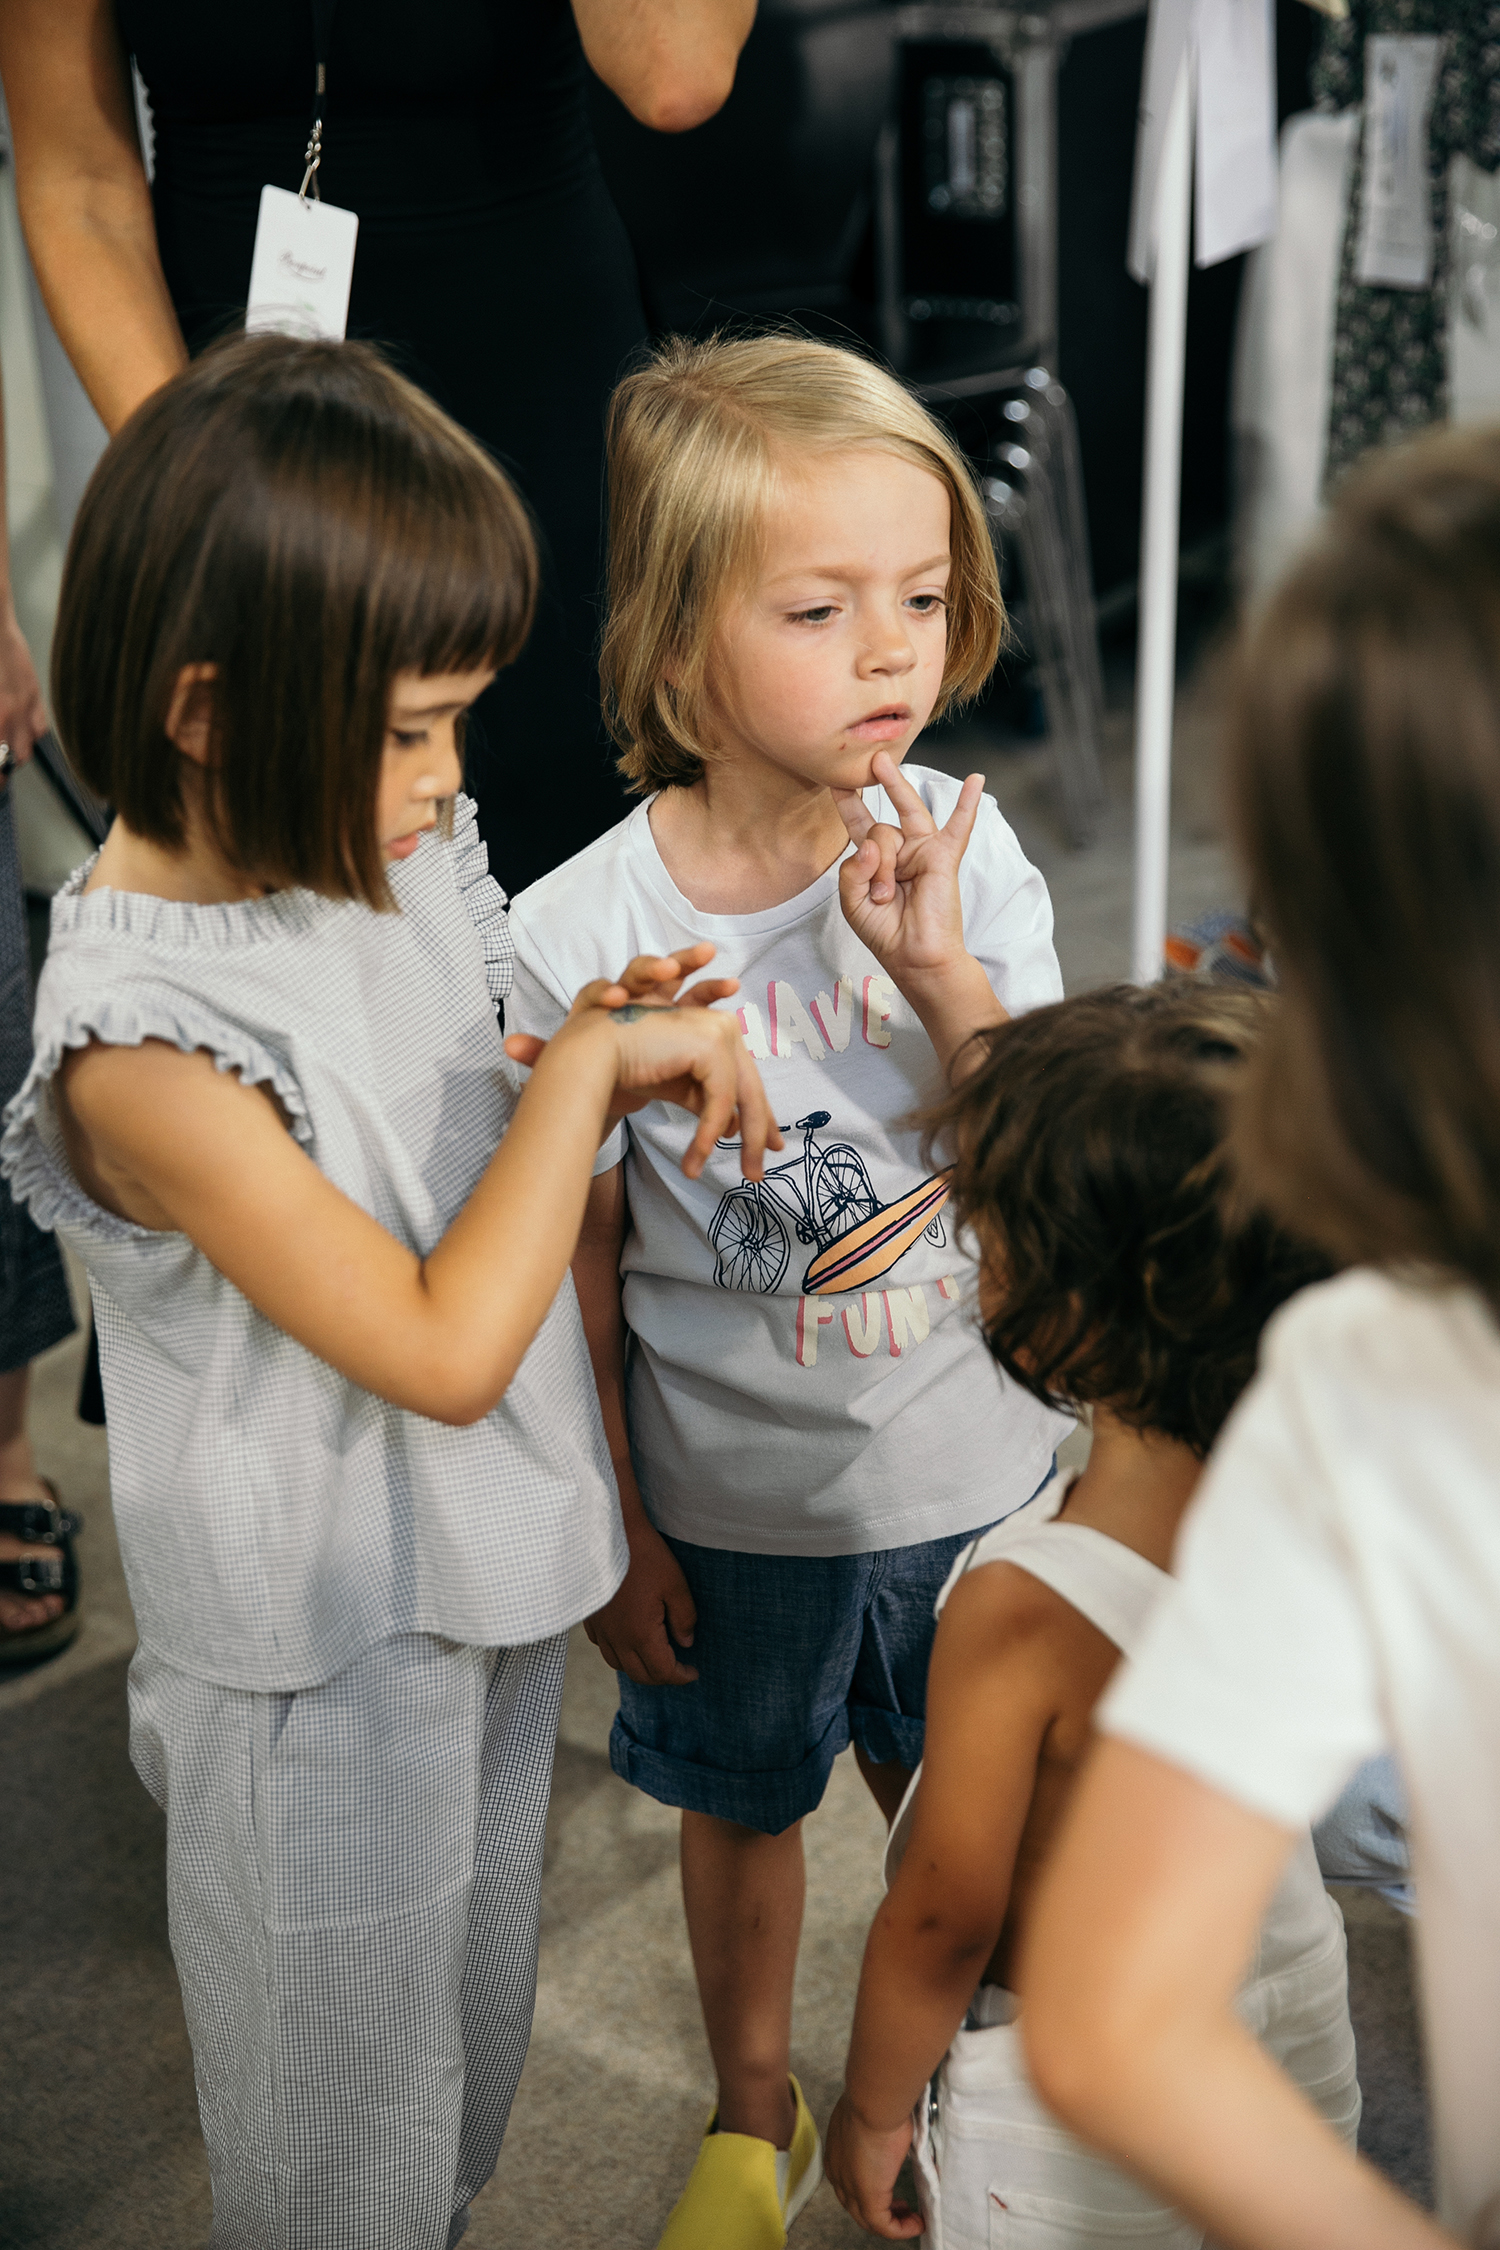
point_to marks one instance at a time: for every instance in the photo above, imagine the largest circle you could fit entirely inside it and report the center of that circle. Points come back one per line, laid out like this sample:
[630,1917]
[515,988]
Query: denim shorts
[797,1656]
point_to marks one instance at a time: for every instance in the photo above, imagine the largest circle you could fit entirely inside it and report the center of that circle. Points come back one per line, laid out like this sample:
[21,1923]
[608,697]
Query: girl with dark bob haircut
[312,524]
[1337,1586]
[356,1459]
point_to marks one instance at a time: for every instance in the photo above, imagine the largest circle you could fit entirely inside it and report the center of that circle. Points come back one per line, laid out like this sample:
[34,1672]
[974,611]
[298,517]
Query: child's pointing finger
[913,815]
[876,858]
[654,977]
[959,826]
[854,812]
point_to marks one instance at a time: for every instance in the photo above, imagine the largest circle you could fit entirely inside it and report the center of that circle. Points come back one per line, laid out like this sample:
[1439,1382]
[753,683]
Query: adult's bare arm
[1130,1962]
[22,713]
[672,62]
[85,204]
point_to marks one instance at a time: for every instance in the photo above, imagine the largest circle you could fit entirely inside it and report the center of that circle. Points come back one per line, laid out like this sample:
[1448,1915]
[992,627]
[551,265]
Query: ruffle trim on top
[171,924]
[484,901]
[43,1183]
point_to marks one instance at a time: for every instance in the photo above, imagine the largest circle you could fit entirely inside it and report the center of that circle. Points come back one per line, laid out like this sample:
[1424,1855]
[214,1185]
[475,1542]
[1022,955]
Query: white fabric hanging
[1284,344]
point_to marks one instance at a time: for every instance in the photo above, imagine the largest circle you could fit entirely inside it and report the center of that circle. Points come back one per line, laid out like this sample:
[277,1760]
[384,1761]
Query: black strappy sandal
[41,1523]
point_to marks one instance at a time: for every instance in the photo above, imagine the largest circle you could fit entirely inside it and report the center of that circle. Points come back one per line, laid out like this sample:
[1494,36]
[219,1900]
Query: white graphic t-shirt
[805,1376]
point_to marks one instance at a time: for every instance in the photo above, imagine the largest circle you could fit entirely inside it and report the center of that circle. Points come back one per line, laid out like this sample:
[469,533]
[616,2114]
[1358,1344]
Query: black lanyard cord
[322,16]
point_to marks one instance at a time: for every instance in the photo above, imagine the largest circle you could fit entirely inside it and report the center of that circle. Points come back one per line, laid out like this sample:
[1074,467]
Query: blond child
[806,1428]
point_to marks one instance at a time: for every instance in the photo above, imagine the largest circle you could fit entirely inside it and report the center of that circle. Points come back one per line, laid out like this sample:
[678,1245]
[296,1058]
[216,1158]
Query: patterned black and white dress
[1390,351]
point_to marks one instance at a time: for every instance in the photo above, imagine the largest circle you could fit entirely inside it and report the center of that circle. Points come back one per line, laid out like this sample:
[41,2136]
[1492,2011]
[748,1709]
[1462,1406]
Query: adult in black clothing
[491,261]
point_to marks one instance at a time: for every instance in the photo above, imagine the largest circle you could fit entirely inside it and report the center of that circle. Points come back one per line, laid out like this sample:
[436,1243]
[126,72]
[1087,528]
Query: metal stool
[988,151]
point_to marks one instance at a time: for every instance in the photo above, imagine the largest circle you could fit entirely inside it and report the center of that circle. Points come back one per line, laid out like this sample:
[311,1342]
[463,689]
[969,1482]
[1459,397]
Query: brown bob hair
[1119,1266]
[699,442]
[304,519]
[1365,761]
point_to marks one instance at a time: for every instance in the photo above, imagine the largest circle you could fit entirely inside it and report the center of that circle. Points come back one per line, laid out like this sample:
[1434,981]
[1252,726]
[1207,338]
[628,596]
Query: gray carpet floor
[99,2146]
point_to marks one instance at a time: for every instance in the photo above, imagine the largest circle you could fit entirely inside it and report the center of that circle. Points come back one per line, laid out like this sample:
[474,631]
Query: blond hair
[692,444]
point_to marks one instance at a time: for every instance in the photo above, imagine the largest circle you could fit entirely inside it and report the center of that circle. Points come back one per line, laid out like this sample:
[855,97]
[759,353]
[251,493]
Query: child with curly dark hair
[1119,1272]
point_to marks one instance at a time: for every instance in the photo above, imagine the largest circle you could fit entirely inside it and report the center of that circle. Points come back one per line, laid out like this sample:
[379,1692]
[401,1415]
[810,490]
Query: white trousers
[352,1885]
[996,2171]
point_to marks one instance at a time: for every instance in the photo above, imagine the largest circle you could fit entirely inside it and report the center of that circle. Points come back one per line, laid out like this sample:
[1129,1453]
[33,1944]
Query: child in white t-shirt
[1337,1585]
[801,576]
[1091,1153]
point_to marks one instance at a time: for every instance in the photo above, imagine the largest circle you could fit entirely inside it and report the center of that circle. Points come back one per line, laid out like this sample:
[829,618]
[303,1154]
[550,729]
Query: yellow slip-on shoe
[743,2194]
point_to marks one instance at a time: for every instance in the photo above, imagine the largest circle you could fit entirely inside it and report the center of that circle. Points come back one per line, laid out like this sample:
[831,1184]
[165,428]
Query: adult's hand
[672,62]
[23,715]
[85,204]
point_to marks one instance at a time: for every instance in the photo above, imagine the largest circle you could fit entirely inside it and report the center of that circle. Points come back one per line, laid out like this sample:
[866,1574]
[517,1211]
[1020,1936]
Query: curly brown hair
[1120,1266]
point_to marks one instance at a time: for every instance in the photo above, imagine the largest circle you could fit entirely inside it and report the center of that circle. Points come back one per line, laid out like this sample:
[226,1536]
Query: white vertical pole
[1156,658]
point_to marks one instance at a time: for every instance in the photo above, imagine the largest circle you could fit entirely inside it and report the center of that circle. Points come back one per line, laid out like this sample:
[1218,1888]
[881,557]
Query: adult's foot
[28,1619]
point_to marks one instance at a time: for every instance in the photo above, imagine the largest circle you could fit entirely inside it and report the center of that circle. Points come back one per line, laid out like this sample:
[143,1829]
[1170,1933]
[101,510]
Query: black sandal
[41,1523]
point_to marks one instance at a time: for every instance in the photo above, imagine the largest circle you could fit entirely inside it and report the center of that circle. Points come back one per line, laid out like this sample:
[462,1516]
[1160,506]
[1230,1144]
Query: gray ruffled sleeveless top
[274,1519]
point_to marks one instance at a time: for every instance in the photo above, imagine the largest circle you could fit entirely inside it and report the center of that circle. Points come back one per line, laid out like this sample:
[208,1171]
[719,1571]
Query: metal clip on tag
[313,154]
[303,262]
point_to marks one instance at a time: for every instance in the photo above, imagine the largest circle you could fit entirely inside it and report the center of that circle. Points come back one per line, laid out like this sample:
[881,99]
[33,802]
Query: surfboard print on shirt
[823,1197]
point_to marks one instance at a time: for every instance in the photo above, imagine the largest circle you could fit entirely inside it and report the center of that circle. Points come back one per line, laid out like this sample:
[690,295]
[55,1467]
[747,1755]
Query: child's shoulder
[602,874]
[1386,1336]
[1001,1623]
[997,1592]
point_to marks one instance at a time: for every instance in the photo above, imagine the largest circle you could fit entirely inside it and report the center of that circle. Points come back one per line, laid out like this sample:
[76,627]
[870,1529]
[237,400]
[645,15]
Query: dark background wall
[766,213]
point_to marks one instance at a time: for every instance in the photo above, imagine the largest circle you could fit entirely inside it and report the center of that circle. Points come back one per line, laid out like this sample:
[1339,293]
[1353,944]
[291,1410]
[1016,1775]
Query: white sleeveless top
[1294,1998]
[274,1519]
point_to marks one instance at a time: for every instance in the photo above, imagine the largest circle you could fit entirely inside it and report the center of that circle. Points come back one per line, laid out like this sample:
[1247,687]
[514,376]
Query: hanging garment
[1390,358]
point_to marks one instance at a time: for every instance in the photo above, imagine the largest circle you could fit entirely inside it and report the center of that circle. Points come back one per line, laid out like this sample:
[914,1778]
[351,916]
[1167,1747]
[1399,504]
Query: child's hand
[649,981]
[863,2164]
[656,981]
[900,895]
[652,1602]
[676,1051]
[900,890]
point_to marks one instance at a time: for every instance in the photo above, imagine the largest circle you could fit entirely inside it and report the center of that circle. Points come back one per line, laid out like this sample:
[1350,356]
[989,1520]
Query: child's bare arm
[900,895]
[631,1631]
[996,1683]
[170,1141]
[1133,1955]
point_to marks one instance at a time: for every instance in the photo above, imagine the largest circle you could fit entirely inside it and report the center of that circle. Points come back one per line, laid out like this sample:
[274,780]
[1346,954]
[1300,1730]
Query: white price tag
[1235,207]
[302,266]
[1169,33]
[1395,215]
[1230,51]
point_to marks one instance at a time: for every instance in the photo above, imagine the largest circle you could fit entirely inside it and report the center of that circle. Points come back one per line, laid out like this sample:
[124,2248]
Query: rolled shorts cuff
[887,1738]
[768,1801]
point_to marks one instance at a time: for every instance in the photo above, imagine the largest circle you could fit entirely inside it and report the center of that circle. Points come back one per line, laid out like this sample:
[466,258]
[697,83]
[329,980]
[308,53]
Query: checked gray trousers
[352,1880]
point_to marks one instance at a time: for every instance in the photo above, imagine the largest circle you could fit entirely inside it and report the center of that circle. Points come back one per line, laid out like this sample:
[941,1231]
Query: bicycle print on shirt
[824,1198]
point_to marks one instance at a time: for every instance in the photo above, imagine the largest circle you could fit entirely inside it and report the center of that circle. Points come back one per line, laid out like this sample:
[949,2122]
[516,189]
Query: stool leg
[1055,641]
[1063,438]
[1054,431]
